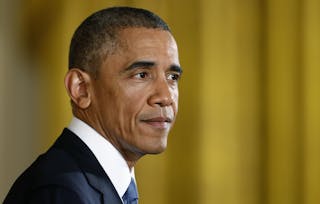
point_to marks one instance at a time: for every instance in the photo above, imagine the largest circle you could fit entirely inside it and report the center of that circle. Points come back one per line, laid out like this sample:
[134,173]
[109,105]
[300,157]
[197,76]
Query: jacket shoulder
[53,171]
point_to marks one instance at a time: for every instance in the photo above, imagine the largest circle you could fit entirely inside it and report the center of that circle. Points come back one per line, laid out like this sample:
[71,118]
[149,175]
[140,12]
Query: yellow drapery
[248,129]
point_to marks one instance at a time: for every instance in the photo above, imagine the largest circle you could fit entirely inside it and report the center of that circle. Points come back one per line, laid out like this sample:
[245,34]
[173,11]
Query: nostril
[164,102]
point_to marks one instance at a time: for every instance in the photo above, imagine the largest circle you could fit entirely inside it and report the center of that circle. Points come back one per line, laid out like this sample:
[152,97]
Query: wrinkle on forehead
[130,36]
[143,44]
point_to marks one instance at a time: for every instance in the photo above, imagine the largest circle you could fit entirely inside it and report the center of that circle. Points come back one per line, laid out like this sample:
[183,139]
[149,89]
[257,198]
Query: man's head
[123,79]
[97,36]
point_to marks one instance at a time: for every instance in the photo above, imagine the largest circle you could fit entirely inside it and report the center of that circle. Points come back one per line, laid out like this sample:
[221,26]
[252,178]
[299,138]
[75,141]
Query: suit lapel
[89,165]
[108,191]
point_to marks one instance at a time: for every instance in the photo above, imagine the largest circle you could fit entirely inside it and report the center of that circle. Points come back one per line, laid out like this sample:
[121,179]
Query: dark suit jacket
[67,173]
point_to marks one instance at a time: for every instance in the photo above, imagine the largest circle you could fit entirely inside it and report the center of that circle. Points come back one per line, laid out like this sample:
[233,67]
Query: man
[123,85]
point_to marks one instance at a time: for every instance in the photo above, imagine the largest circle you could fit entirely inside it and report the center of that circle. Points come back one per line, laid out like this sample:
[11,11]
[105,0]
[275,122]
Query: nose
[162,94]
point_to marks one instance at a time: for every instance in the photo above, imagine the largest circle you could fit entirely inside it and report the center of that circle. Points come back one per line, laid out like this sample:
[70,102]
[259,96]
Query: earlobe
[77,83]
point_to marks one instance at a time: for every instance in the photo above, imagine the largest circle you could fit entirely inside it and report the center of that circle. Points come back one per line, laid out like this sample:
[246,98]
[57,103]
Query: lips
[159,119]
[158,122]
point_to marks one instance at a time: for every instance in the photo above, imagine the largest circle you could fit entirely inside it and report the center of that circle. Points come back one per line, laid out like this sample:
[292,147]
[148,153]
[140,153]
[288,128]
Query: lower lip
[158,125]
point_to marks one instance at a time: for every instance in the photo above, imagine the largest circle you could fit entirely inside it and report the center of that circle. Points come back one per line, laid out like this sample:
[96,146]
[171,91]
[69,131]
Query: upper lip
[158,119]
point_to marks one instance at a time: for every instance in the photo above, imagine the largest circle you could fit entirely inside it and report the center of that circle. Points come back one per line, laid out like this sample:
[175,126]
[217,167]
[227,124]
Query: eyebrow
[176,68]
[140,64]
[149,64]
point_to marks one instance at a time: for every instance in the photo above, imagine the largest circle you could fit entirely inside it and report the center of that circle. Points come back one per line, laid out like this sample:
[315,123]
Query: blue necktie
[131,195]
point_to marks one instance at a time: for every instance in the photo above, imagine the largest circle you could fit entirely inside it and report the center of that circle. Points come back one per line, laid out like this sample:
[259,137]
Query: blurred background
[248,129]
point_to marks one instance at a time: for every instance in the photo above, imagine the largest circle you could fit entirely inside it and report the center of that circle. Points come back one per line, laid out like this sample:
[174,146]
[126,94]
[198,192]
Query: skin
[133,102]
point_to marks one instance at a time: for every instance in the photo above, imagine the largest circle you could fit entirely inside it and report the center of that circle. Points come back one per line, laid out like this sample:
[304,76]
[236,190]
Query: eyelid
[140,70]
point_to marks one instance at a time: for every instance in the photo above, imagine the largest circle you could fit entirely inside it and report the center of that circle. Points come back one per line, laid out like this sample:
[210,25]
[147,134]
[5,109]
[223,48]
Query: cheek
[175,98]
[131,103]
[134,96]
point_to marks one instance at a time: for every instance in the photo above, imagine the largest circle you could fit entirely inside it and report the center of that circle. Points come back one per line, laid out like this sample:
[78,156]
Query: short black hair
[96,36]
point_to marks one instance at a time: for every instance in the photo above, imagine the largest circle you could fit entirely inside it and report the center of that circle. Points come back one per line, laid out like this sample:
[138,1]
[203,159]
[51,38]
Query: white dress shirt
[107,155]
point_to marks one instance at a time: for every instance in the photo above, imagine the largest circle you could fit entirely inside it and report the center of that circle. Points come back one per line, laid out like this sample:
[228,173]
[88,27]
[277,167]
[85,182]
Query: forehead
[140,40]
[141,44]
[141,32]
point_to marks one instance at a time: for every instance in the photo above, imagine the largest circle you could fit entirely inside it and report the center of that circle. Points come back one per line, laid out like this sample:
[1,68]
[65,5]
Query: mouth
[158,122]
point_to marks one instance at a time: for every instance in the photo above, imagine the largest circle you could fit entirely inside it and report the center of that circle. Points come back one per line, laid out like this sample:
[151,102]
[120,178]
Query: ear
[77,83]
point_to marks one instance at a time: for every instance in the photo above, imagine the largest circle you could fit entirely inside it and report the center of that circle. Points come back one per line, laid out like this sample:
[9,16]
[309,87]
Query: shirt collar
[107,155]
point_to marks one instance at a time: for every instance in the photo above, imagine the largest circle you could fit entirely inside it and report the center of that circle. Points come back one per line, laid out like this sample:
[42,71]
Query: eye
[173,76]
[141,75]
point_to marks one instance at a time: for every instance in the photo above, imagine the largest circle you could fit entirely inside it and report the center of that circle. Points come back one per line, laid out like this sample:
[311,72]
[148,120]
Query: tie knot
[131,195]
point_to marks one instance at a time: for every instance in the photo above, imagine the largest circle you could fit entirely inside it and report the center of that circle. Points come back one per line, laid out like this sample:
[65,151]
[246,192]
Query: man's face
[135,96]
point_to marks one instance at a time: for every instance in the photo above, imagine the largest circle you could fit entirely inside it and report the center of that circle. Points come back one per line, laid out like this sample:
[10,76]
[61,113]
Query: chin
[158,151]
[155,148]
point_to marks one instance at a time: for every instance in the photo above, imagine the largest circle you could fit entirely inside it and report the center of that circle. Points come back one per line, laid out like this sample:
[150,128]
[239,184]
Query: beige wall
[248,128]
[19,100]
